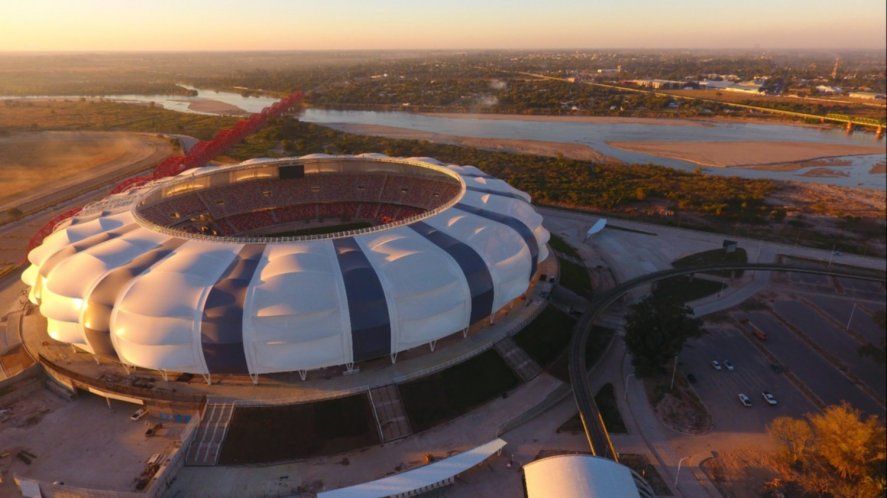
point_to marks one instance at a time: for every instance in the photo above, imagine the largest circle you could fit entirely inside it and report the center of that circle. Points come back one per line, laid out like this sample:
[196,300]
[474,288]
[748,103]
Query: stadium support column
[465,333]
[393,358]
[208,378]
[254,377]
[432,345]
[303,374]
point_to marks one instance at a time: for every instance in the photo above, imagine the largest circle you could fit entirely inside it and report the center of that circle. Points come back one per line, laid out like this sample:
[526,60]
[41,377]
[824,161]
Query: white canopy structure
[582,476]
[176,276]
[422,479]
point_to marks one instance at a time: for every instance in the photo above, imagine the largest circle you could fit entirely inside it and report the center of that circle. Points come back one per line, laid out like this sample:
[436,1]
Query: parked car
[141,412]
[715,364]
[745,400]
[728,365]
[769,398]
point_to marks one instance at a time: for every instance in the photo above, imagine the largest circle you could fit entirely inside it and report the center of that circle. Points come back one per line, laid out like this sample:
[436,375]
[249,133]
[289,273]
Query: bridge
[848,121]
[596,434]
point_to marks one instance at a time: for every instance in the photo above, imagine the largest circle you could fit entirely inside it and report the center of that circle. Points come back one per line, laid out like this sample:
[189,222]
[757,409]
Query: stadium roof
[109,283]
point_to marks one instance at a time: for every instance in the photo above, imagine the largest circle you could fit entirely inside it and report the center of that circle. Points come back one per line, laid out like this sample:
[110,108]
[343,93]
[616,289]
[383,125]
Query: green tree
[833,453]
[656,330]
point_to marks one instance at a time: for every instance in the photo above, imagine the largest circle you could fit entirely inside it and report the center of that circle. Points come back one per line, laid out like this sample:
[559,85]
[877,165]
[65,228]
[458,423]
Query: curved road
[595,431]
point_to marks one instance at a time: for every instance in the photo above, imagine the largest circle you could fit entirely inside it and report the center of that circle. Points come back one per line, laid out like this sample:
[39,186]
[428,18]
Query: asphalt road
[814,371]
[752,374]
[595,431]
[835,341]
[839,309]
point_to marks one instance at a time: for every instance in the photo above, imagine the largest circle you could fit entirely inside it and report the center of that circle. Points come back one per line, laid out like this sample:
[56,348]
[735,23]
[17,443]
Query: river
[593,134]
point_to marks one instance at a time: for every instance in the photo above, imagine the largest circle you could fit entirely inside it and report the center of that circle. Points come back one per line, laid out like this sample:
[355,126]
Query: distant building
[745,87]
[867,95]
[831,90]
[609,72]
[715,84]
[657,84]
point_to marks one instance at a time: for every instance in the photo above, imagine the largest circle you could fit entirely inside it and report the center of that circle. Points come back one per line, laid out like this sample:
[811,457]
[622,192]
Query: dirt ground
[737,154]
[80,442]
[54,160]
[536,147]
[741,473]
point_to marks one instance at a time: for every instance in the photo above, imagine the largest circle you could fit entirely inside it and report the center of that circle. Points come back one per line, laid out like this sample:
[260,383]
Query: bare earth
[215,107]
[33,164]
[568,119]
[880,167]
[536,147]
[741,154]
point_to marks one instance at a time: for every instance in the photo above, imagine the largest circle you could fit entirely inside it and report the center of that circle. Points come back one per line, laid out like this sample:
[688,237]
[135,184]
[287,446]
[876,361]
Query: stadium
[287,265]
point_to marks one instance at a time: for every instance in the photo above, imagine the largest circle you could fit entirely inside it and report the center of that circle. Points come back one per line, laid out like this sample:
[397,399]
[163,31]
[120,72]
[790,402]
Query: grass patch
[714,256]
[575,277]
[322,230]
[456,390]
[686,288]
[598,341]
[562,246]
[678,408]
[89,115]
[546,337]
[263,434]
[641,464]
[605,399]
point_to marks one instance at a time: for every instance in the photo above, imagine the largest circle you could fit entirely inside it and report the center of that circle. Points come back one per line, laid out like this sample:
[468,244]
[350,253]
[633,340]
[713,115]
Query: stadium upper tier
[191,273]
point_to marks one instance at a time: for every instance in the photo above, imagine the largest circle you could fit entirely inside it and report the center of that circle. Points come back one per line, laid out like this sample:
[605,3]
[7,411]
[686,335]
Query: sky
[182,25]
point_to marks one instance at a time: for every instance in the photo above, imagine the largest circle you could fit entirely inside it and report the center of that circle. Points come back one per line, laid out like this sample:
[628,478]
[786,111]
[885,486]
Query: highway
[595,431]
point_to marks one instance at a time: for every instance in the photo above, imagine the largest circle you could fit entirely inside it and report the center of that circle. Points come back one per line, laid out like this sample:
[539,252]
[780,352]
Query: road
[595,431]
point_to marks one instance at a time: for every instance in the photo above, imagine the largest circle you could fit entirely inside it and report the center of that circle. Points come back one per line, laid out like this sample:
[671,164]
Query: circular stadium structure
[283,265]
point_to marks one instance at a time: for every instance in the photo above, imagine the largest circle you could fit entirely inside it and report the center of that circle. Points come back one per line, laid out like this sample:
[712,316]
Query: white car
[769,398]
[141,412]
[728,365]
[715,364]
[745,400]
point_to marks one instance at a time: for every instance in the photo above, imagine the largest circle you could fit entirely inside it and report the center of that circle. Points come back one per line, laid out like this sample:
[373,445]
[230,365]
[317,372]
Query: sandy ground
[110,450]
[737,154]
[215,107]
[568,119]
[880,167]
[535,147]
[57,160]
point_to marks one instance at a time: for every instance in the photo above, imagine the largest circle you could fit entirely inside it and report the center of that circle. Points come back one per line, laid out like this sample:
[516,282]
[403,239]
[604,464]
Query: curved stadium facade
[287,264]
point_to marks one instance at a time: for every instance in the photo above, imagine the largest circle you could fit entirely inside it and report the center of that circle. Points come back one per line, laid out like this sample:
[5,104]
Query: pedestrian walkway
[517,359]
[207,443]
[390,413]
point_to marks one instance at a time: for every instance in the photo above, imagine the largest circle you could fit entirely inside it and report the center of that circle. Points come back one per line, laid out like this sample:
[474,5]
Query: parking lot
[809,353]
[752,374]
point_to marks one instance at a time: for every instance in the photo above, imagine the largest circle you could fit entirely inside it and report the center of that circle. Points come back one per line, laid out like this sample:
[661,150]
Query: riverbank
[535,147]
[745,154]
[567,119]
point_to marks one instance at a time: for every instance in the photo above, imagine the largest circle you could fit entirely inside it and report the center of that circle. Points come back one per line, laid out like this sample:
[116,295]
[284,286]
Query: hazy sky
[392,24]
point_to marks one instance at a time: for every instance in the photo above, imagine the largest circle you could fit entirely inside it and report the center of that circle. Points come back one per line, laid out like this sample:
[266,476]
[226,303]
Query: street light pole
[852,310]
[674,370]
[625,386]
[678,473]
